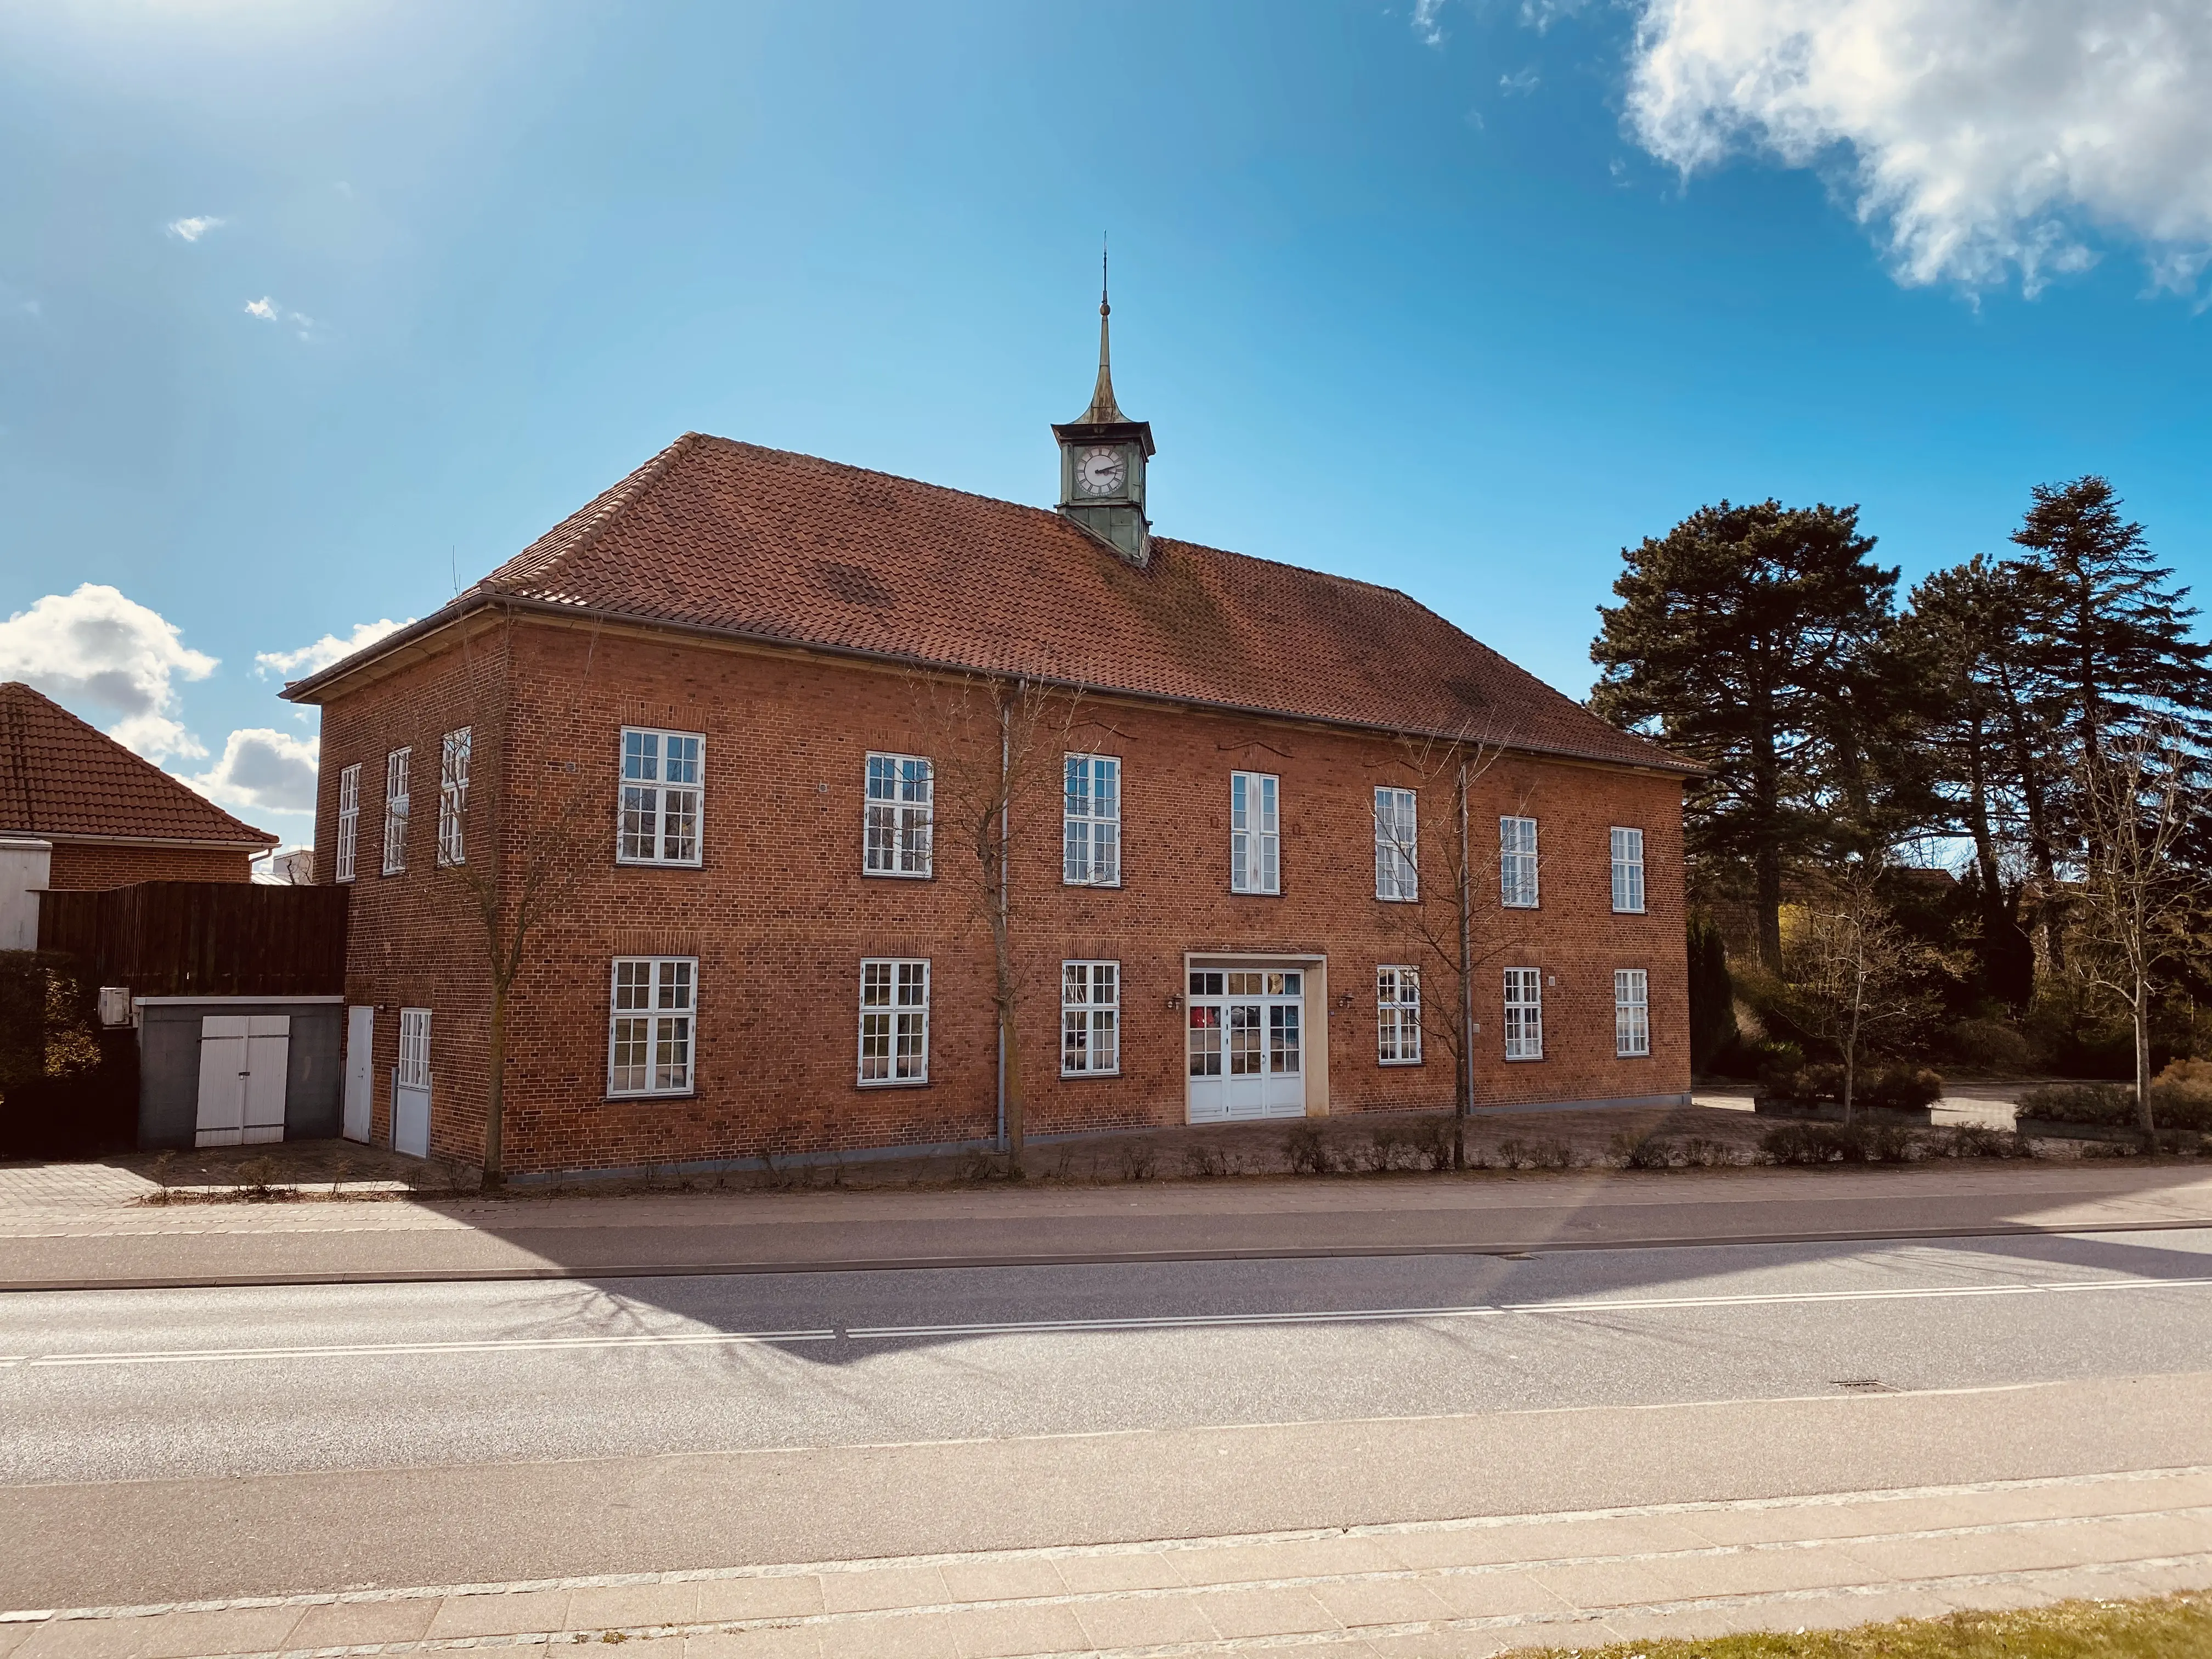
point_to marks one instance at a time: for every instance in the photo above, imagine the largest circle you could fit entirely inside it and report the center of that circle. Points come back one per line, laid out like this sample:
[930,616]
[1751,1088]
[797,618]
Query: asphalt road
[156,1444]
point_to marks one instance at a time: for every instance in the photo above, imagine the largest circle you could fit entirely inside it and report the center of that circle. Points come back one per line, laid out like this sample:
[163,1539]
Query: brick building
[730,725]
[108,818]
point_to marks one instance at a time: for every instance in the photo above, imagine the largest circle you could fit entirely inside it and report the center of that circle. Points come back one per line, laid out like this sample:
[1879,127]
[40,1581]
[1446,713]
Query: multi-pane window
[1089,1017]
[1627,869]
[348,819]
[395,810]
[1516,862]
[659,823]
[1204,1040]
[1398,1015]
[1091,822]
[1396,876]
[650,1030]
[900,790]
[1255,833]
[894,1021]
[1631,1012]
[414,1071]
[453,797]
[1524,1014]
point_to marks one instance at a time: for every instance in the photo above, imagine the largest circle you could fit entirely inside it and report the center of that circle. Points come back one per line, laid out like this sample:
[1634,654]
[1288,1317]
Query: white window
[659,823]
[1089,1018]
[649,1032]
[1398,1015]
[1396,876]
[453,797]
[894,1021]
[1628,870]
[348,819]
[1524,1014]
[900,791]
[395,810]
[414,1071]
[1631,1013]
[1092,822]
[1255,834]
[1516,862]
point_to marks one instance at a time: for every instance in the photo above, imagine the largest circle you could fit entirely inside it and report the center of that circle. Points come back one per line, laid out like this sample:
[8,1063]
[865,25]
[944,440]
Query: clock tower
[1102,463]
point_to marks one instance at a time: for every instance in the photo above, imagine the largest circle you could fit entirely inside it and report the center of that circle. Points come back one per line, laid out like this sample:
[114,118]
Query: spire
[1103,409]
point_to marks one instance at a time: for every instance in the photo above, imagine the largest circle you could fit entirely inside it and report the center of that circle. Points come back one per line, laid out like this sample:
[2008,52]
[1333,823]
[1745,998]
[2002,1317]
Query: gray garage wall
[169,1065]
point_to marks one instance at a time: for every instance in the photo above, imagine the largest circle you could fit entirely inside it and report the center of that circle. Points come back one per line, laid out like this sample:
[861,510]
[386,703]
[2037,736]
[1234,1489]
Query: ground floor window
[895,1020]
[1089,1018]
[414,1048]
[1398,1015]
[1631,1013]
[649,1035]
[1524,1014]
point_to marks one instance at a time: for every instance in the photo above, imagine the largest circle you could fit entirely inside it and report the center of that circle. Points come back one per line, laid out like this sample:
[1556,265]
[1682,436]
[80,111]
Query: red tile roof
[732,538]
[60,777]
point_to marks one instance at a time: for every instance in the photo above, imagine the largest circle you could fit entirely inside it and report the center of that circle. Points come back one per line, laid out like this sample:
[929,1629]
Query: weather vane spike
[1102,306]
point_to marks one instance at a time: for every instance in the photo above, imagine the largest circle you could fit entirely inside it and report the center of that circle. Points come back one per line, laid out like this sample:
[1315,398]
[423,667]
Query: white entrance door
[361,1043]
[243,1059]
[1246,1044]
[411,1085]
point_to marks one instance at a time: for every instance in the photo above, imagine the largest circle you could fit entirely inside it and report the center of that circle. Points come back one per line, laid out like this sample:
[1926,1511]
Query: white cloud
[96,647]
[1521,80]
[312,659]
[263,769]
[264,308]
[1428,22]
[1975,138]
[192,229]
[269,311]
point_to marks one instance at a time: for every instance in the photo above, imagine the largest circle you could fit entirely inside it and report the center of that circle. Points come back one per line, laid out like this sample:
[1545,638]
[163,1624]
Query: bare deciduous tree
[1851,972]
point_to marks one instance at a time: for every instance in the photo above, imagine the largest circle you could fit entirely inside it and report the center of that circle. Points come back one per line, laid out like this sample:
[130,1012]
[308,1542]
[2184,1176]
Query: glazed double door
[1245,1047]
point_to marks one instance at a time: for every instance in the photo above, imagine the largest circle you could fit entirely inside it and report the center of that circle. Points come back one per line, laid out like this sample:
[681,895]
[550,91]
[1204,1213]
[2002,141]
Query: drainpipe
[1466,980]
[1005,811]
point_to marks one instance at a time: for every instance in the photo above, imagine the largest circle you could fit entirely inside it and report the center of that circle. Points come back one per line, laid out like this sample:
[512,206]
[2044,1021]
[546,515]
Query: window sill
[896,875]
[891,1083]
[1503,906]
[655,1095]
[659,864]
[1617,911]
[1398,1063]
[1105,886]
[1254,892]
[1524,1059]
[1077,1077]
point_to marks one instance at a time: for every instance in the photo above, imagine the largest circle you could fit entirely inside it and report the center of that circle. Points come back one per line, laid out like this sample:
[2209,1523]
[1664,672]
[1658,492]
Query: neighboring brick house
[728,674]
[109,818]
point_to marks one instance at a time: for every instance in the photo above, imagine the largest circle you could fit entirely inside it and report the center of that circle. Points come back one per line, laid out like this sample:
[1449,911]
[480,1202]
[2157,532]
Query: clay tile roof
[60,777]
[731,538]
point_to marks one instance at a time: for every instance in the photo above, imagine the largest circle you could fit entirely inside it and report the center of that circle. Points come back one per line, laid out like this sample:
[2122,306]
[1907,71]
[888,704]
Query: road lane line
[372,1350]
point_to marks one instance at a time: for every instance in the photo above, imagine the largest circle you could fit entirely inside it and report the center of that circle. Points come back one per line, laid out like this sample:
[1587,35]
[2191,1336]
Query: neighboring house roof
[60,777]
[729,538]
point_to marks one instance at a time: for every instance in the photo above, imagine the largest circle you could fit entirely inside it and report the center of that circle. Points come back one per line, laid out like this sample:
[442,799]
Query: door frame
[1314,964]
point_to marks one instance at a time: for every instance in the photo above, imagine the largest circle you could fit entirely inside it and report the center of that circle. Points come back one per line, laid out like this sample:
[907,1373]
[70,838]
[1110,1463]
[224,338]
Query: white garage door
[243,1059]
[1246,1049]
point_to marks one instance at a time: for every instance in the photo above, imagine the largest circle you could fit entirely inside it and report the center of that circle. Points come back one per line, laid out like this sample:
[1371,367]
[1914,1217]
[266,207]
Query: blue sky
[1422,292]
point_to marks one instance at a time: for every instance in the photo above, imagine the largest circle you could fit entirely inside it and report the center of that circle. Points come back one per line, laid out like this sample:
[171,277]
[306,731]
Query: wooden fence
[204,938]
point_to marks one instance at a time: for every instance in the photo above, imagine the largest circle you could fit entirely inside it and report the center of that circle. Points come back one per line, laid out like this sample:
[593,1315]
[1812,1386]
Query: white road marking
[347,1350]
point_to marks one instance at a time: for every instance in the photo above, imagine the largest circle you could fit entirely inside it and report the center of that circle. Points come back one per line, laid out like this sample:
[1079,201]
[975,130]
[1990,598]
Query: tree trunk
[2139,1012]
[1013,1091]
[1766,853]
[495,1158]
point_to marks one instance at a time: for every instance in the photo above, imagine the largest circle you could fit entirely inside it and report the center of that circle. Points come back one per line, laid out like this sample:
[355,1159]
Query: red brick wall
[80,865]
[779,915]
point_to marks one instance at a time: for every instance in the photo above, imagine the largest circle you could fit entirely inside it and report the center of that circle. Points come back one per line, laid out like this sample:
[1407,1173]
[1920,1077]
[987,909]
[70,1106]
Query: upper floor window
[1255,833]
[1091,822]
[1631,1013]
[453,797]
[1627,869]
[660,790]
[1396,876]
[650,1027]
[1524,1014]
[1516,862]
[900,797]
[1089,1017]
[1398,1015]
[395,810]
[894,1021]
[348,819]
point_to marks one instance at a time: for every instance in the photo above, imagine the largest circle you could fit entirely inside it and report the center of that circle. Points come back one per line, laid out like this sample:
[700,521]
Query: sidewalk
[95,1235]
[1472,1586]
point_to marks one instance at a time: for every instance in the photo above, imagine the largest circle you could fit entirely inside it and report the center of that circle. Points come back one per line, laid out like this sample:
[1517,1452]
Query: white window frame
[894,1021]
[453,797]
[1518,869]
[660,801]
[652,1001]
[1627,871]
[1397,847]
[1524,1013]
[1256,839]
[396,808]
[898,828]
[1090,822]
[348,831]
[413,1070]
[1089,1018]
[1631,1013]
[1397,1015]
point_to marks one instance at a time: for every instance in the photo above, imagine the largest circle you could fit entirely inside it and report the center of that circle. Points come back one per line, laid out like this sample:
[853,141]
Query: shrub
[1806,1085]
[1837,1143]
[1990,1045]
[1203,1161]
[2105,1103]
[1306,1150]
[1140,1158]
[1650,1152]
[2181,1096]
[1976,1140]
[1902,1087]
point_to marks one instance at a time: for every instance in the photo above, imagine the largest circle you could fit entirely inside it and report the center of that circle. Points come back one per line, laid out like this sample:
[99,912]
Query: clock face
[1101,471]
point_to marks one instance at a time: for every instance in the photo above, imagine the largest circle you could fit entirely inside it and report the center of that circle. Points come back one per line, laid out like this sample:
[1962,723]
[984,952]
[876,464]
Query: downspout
[1466,982]
[1005,811]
